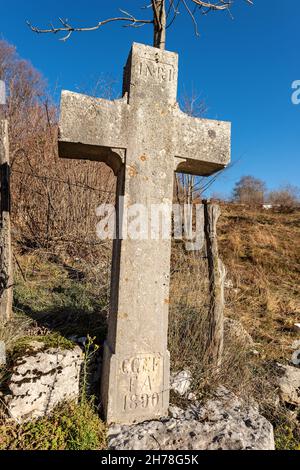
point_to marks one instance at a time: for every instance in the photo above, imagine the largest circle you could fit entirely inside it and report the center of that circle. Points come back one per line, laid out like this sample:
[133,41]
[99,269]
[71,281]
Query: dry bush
[286,198]
[188,307]
[249,190]
[53,200]
[260,251]
[12,331]
[188,327]
[250,376]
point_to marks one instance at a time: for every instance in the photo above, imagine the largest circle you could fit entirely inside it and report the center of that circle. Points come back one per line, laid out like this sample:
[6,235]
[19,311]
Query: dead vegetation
[63,270]
[241,369]
[260,250]
[71,427]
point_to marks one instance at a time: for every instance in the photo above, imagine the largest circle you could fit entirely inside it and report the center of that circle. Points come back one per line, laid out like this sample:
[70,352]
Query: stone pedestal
[135,387]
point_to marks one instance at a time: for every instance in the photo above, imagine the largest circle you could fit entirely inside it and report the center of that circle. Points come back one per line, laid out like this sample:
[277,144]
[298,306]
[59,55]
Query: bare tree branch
[175,13]
[162,19]
[219,5]
[192,16]
[67,28]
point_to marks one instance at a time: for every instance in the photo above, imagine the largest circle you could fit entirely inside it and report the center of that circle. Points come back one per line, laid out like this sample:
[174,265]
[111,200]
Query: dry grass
[14,330]
[261,255]
[62,280]
[54,200]
[70,427]
[188,324]
[261,252]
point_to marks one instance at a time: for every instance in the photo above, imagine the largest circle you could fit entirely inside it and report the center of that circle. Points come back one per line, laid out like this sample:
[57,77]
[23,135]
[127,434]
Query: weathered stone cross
[144,138]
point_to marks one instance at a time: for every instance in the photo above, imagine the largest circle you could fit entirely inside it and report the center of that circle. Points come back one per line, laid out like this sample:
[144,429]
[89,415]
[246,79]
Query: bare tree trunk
[6,281]
[216,271]
[159,16]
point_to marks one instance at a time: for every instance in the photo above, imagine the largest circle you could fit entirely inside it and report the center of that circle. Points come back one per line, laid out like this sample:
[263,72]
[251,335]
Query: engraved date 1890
[143,401]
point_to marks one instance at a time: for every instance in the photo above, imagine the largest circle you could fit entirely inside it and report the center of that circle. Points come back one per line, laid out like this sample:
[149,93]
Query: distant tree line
[253,191]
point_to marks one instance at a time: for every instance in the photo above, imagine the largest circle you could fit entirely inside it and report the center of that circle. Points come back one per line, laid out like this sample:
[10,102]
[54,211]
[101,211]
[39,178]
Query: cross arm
[203,145]
[92,128]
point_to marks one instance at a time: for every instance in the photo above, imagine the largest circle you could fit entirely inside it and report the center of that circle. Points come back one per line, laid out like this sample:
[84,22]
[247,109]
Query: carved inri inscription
[158,71]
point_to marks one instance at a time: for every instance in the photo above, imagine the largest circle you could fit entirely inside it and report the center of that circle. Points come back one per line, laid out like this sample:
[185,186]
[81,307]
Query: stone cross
[144,137]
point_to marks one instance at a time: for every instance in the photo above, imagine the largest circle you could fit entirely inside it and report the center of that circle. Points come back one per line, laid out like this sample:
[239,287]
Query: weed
[71,427]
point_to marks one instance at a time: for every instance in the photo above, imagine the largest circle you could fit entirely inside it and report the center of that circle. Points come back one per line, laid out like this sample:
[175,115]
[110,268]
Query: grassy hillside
[261,250]
[58,295]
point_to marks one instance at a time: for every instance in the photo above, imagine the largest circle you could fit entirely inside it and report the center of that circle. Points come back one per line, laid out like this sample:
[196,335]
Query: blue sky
[243,68]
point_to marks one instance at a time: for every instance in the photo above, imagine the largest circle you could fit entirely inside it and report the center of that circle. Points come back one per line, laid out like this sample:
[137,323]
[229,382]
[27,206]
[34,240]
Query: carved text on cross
[93,128]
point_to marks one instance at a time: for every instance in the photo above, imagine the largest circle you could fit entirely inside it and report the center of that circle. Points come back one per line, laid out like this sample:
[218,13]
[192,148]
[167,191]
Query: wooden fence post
[216,272]
[6,275]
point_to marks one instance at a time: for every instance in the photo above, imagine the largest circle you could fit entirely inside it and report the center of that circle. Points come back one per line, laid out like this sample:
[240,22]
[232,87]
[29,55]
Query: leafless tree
[249,190]
[287,196]
[163,14]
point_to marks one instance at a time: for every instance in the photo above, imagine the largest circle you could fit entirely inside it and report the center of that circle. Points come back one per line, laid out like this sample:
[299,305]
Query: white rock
[192,397]
[297,327]
[296,344]
[180,382]
[289,384]
[224,422]
[296,358]
[42,380]
[255,352]
[175,412]
[228,284]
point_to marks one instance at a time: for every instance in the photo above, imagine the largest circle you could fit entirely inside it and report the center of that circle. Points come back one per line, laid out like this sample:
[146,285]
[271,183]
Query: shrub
[70,427]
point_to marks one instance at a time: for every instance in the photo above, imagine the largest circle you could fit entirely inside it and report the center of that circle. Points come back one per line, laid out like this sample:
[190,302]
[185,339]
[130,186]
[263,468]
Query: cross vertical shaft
[137,386]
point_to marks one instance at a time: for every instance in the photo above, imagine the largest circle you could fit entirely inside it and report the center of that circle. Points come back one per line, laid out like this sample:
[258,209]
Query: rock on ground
[234,330]
[295,360]
[222,423]
[42,380]
[289,384]
[180,382]
[297,327]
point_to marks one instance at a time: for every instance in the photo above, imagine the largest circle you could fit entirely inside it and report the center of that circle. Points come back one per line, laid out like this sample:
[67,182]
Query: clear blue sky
[243,68]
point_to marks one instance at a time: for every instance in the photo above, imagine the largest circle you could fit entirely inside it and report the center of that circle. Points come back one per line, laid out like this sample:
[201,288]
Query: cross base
[135,387]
